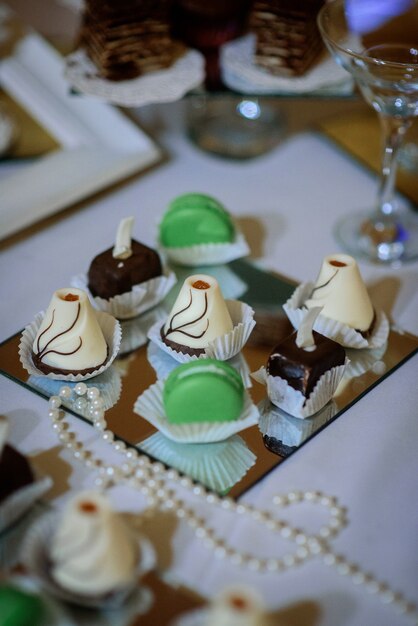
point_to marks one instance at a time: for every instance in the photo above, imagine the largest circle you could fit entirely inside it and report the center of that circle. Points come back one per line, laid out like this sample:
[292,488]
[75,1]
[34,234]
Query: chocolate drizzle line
[41,354]
[179,328]
[325,284]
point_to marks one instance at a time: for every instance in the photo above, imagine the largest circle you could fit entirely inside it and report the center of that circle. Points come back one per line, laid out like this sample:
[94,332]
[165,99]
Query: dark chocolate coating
[278,447]
[301,368]
[178,347]
[110,277]
[47,369]
[15,472]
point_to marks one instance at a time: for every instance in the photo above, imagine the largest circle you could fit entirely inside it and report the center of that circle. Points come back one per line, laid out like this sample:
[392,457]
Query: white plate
[99,145]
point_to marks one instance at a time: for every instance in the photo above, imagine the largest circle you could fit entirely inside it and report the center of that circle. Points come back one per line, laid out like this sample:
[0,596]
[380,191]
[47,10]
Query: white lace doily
[165,85]
[240,72]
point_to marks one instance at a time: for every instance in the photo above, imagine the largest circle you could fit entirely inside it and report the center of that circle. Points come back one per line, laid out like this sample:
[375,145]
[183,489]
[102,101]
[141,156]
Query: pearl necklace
[152,479]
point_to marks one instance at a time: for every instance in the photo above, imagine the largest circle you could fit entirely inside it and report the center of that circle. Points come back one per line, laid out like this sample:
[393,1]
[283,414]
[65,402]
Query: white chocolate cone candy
[69,337]
[4,431]
[199,314]
[237,605]
[341,292]
[93,551]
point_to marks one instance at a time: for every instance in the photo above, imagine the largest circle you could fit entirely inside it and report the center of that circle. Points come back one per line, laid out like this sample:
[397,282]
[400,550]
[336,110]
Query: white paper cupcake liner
[361,361]
[110,328]
[164,364]
[150,406]
[165,85]
[291,431]
[218,466]
[140,299]
[342,334]
[294,402]
[209,253]
[222,348]
[21,500]
[135,330]
[35,556]
[109,384]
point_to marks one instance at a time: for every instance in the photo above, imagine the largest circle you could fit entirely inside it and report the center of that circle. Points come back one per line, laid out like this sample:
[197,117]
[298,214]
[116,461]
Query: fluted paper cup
[293,401]
[140,299]
[163,364]
[209,253]
[112,333]
[150,406]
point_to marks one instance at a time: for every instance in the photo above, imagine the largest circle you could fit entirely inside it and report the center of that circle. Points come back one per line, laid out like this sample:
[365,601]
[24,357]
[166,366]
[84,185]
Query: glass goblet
[380,49]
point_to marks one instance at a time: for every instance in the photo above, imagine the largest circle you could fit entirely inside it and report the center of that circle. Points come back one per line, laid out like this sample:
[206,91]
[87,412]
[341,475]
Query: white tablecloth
[367,458]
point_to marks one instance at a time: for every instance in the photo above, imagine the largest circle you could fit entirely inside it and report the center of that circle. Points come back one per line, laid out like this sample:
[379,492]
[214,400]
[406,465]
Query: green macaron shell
[206,390]
[19,608]
[195,218]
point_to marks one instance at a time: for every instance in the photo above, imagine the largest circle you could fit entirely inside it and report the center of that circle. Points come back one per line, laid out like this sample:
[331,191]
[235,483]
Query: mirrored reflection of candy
[218,466]
[163,364]
[109,385]
[347,315]
[87,555]
[135,330]
[235,605]
[282,433]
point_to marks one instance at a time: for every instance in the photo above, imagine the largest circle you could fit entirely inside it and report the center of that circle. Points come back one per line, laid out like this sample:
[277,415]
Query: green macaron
[206,390]
[19,608]
[195,218]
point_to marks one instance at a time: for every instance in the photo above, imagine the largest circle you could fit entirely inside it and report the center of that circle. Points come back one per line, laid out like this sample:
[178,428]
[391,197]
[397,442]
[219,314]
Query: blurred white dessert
[237,605]
[93,552]
[199,315]
[69,339]
[342,294]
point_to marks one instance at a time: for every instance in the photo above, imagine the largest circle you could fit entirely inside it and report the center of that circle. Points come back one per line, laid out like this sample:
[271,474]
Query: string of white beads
[152,480]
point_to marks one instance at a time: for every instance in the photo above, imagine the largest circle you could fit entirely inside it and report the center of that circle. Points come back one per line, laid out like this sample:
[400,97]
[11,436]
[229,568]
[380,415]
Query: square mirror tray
[234,465]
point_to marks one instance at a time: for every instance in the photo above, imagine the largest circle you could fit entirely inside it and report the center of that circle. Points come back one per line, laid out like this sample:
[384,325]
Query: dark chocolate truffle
[109,276]
[303,368]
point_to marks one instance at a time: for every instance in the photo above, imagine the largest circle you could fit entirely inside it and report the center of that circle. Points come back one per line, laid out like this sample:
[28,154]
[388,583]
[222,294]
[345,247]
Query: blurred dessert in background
[128,38]
[288,39]
[206,26]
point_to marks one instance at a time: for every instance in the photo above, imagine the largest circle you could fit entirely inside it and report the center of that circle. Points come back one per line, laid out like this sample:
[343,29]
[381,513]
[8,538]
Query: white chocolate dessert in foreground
[237,605]
[70,338]
[199,314]
[341,292]
[93,551]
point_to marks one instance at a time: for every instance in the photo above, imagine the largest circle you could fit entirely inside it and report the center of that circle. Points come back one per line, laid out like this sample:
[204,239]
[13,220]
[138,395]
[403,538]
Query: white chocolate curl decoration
[304,336]
[123,245]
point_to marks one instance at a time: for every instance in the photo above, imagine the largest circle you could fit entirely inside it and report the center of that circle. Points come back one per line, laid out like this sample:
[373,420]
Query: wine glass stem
[393,131]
